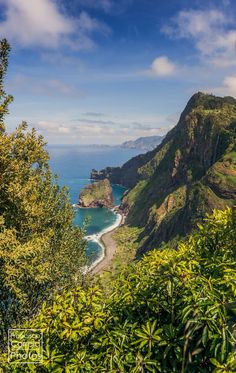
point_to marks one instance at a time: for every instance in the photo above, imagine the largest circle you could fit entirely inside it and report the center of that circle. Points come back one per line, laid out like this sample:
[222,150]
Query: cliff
[98,194]
[127,175]
[191,172]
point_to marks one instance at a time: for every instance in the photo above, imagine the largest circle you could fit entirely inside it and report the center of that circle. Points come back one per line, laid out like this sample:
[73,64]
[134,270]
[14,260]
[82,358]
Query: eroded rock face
[98,194]
[127,175]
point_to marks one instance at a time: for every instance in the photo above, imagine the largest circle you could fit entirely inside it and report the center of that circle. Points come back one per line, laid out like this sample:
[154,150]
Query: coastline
[105,241]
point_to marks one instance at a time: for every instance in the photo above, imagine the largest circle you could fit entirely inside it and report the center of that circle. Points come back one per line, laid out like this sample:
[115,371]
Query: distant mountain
[189,174]
[143,143]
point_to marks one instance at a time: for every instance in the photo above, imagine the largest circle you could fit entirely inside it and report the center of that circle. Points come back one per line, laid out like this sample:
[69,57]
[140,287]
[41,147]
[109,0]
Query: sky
[107,71]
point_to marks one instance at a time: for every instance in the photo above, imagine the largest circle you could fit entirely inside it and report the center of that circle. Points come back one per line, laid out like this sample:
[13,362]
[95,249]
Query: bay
[73,165]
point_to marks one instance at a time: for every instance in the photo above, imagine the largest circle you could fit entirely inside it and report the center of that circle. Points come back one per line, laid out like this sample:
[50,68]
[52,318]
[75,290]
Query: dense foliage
[191,172]
[171,312]
[40,249]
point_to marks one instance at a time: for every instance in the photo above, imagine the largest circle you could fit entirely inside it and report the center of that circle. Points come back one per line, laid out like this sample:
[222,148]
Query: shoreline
[104,240]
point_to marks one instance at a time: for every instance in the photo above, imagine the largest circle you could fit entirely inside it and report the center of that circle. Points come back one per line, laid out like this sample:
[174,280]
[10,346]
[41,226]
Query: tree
[41,250]
[5,99]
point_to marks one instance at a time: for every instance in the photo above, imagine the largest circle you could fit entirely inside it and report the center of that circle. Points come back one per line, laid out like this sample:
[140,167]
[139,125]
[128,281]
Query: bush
[40,249]
[171,312]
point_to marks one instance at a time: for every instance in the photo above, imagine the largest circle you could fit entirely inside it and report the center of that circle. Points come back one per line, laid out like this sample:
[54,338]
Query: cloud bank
[43,87]
[228,87]
[97,131]
[40,23]
[212,32]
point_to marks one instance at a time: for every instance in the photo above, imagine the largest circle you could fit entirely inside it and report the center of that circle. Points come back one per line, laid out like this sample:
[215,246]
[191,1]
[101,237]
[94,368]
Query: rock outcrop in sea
[98,194]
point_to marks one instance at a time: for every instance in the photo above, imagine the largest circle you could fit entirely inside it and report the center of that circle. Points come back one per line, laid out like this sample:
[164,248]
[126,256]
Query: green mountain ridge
[191,172]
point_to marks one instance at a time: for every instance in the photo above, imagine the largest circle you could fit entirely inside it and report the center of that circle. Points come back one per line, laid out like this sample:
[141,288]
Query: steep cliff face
[98,194]
[189,174]
[127,175]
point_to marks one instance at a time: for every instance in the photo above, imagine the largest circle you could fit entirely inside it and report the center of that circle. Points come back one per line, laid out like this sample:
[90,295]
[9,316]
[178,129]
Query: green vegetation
[149,168]
[126,247]
[189,174]
[196,158]
[174,311]
[98,194]
[135,192]
[40,249]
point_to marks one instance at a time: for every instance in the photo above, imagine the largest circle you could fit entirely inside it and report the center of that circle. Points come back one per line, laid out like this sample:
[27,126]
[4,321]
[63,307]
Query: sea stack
[98,194]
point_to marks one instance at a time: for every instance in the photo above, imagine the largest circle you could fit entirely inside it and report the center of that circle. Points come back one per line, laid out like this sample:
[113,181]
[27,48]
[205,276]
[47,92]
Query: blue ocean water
[73,165]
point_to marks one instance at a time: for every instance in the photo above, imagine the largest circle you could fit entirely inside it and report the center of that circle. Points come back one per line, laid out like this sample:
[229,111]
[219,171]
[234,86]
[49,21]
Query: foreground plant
[171,312]
[40,249]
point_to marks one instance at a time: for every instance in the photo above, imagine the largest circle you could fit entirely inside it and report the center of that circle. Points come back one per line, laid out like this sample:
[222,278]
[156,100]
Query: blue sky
[106,71]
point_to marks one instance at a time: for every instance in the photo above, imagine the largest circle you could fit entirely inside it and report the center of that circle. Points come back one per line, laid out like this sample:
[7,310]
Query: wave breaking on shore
[97,238]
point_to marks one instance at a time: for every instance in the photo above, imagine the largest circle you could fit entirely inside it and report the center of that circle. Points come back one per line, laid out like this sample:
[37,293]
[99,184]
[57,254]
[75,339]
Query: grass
[126,247]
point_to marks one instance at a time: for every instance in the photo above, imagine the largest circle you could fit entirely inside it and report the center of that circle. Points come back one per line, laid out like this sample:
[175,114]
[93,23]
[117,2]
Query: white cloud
[194,23]
[59,59]
[230,84]
[228,87]
[162,66]
[57,86]
[211,31]
[96,132]
[49,87]
[108,6]
[93,114]
[87,24]
[105,5]
[39,22]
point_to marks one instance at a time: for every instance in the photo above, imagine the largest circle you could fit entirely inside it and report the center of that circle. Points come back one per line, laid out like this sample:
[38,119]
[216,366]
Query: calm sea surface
[73,165]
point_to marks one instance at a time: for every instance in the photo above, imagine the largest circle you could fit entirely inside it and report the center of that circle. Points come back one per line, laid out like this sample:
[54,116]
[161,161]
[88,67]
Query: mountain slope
[191,172]
[143,143]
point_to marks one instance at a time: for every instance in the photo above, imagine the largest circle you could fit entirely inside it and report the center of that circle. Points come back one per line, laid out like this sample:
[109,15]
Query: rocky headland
[98,194]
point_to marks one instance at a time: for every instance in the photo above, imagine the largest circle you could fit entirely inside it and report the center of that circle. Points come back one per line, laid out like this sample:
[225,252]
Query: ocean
[73,165]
